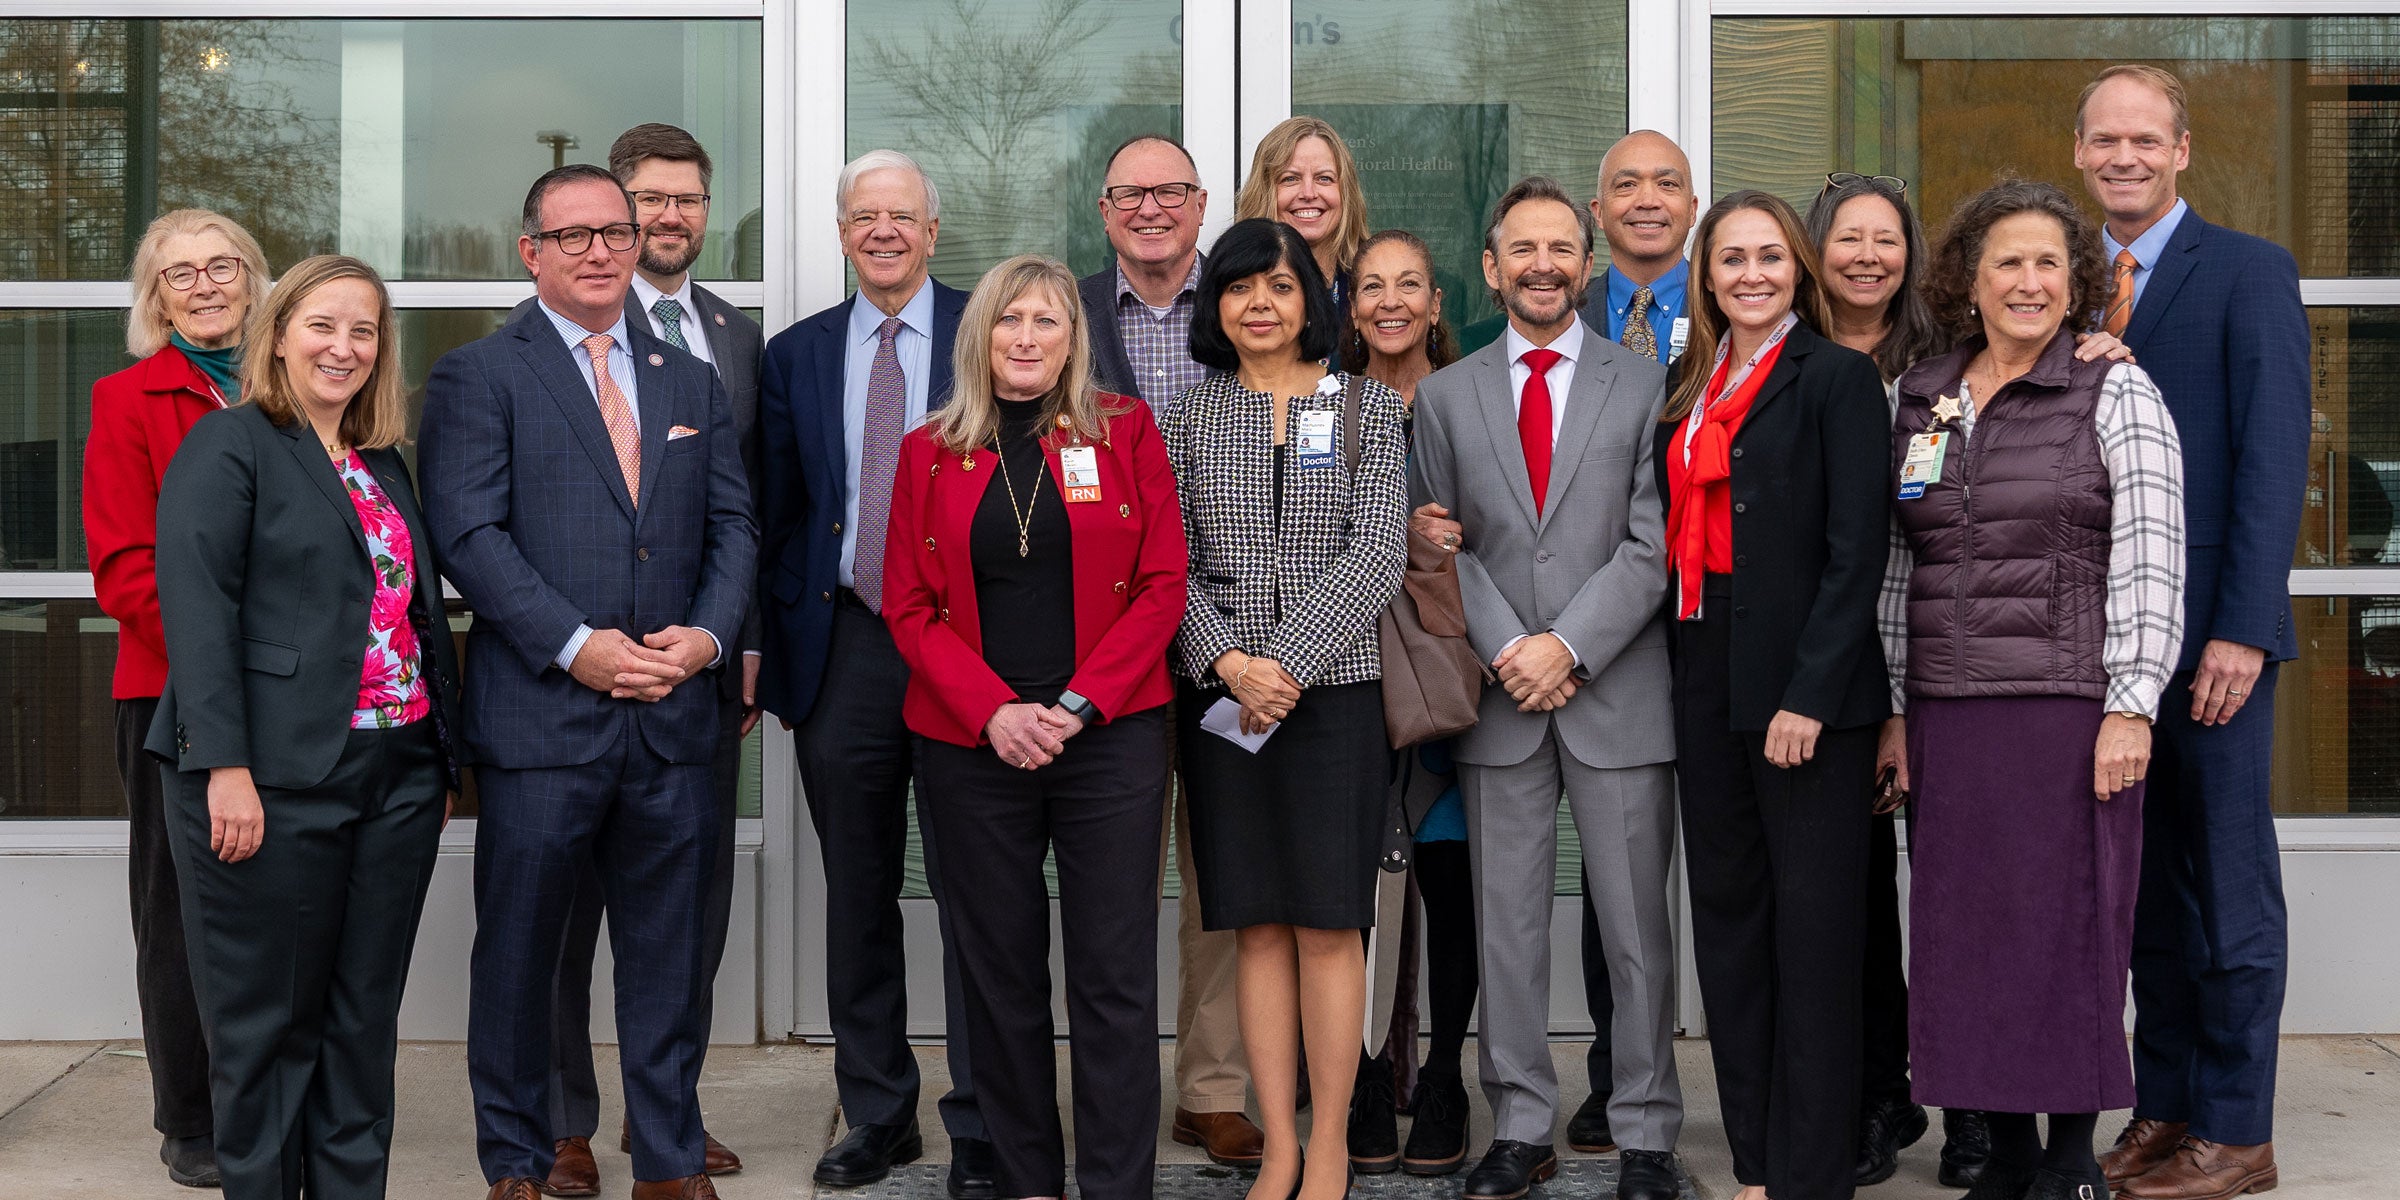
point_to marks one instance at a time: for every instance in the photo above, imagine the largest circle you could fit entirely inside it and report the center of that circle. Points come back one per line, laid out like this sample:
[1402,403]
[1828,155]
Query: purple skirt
[2021,889]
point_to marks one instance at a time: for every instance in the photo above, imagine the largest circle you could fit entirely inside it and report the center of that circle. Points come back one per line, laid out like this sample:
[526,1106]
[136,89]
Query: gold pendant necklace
[1024,519]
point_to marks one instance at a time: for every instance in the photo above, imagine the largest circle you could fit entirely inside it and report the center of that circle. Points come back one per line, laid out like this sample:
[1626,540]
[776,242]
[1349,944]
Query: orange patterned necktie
[2120,298]
[617,415]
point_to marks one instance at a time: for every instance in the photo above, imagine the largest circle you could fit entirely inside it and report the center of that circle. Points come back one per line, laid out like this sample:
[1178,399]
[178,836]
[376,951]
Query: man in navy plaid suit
[585,483]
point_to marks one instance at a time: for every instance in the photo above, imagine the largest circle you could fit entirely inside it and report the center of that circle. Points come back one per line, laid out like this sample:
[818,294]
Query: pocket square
[680,431]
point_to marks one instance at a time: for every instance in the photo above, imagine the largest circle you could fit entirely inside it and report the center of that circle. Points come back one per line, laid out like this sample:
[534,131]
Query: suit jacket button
[642,554]
[1120,587]
[1544,556]
[824,595]
[1739,507]
[1741,560]
[929,545]
[1124,510]
[837,526]
[1737,452]
[945,616]
[1741,610]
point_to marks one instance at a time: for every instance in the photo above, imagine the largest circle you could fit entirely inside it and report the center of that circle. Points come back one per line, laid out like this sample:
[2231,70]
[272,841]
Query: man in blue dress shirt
[1645,206]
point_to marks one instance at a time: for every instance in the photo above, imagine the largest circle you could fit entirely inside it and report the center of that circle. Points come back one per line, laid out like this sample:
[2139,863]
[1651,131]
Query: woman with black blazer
[303,730]
[1777,530]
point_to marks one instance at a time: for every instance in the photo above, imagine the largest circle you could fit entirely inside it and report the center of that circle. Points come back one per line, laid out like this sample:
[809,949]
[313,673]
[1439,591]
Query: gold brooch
[967,462]
[1945,409]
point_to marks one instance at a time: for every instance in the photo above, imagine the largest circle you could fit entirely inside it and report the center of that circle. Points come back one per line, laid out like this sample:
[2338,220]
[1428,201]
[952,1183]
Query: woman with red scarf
[1772,455]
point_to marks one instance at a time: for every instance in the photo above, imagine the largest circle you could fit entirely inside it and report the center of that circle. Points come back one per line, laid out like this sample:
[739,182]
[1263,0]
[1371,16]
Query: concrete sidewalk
[75,1122]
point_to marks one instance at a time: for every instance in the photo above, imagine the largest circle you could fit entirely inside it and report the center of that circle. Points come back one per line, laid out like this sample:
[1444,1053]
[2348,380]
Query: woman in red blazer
[194,276]
[1034,575]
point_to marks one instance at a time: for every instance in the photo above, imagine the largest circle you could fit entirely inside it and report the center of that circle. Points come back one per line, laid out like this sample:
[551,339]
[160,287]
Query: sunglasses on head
[1839,179]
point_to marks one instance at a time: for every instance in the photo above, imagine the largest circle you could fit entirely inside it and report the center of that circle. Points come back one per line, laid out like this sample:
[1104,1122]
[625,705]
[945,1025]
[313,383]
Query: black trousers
[1884,996]
[574,1085]
[162,975]
[1097,808]
[1778,877]
[856,759]
[299,954]
[1446,882]
[1599,1059]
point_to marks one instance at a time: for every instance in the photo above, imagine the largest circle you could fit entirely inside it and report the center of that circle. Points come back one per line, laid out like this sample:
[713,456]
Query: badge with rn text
[1081,467]
[1922,466]
[1312,438]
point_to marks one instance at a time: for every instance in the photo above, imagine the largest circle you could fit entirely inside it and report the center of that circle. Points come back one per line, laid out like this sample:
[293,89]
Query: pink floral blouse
[391,685]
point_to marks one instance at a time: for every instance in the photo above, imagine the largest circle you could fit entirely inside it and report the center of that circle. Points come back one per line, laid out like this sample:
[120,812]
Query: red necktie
[1533,422]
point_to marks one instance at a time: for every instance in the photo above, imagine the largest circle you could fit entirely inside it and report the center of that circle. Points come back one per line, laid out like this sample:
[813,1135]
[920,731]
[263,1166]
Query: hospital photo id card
[1312,438]
[1080,465]
[1922,465]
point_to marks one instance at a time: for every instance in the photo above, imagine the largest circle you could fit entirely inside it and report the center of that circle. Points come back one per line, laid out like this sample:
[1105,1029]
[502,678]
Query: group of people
[1826,523]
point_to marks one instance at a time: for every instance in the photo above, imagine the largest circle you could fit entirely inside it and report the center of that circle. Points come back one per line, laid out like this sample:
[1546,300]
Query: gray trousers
[1626,819]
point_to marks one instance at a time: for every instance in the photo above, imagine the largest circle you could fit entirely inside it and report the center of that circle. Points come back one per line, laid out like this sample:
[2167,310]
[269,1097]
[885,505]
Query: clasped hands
[1538,671]
[1266,692]
[645,670]
[1031,735]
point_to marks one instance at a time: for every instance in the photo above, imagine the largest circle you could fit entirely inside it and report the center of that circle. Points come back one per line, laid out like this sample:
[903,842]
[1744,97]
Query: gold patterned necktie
[2120,297]
[617,415]
[1639,337]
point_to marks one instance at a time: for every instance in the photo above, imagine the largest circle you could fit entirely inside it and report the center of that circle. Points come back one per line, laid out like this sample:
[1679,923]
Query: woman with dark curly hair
[2029,636]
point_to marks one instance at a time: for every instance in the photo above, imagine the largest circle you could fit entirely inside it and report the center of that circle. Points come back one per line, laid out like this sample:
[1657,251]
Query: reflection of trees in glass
[979,93]
[234,136]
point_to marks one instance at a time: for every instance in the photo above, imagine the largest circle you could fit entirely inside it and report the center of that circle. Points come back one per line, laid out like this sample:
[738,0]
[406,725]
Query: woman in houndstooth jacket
[1297,544]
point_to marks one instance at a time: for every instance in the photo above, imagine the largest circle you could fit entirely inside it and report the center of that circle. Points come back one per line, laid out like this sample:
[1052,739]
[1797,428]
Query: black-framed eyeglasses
[183,277]
[1129,196]
[654,203]
[575,239]
[1840,179]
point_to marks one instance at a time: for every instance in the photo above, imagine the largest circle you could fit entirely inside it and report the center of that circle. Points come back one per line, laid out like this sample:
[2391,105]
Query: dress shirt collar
[2153,242]
[1191,284]
[1569,344]
[682,296]
[1666,291]
[574,333]
[866,320]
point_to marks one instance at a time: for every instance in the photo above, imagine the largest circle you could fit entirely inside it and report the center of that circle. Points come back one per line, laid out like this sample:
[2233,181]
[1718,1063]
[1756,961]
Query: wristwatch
[2144,718]
[1074,702]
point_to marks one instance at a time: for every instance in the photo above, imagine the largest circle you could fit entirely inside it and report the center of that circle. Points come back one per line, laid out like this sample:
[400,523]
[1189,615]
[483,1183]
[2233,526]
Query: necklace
[1024,519]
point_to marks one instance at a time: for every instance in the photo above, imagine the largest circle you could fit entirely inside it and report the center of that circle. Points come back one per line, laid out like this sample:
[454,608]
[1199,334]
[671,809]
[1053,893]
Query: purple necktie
[878,461]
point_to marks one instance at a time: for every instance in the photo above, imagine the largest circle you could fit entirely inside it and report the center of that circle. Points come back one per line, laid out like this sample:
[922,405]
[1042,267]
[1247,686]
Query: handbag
[1432,678]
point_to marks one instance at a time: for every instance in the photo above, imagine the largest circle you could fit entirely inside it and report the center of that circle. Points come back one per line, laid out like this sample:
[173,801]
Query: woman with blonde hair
[1302,175]
[303,728]
[195,276]
[1033,581]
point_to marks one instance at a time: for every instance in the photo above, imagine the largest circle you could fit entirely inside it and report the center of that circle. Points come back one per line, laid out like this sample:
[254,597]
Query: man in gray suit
[1539,445]
[668,173]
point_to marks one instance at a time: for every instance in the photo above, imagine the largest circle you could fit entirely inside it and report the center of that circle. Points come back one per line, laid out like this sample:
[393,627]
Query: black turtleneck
[1028,603]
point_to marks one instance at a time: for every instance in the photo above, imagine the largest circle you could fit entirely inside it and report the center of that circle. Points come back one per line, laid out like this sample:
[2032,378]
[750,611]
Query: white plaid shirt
[2139,447]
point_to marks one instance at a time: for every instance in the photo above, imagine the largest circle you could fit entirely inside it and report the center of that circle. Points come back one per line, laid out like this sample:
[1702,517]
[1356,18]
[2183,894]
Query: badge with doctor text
[1921,467]
[1312,438]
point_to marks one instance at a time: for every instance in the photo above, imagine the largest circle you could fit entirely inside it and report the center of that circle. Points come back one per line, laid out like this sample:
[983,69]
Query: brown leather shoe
[1227,1138]
[690,1187]
[2204,1170]
[2143,1144]
[715,1158]
[572,1171]
[515,1188]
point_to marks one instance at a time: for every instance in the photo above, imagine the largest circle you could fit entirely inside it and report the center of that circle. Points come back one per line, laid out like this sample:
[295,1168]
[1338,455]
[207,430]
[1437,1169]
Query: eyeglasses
[183,277]
[653,203]
[575,239]
[1129,196]
[1838,179]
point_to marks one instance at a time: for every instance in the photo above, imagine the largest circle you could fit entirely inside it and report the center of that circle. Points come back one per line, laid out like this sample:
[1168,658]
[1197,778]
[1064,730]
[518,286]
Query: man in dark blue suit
[2215,318]
[584,481]
[838,391]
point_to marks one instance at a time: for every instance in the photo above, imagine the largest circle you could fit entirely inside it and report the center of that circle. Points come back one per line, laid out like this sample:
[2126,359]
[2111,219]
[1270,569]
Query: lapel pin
[720,319]
[658,360]
[967,462]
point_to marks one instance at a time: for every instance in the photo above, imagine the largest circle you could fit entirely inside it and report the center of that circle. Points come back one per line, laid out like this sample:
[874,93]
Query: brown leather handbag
[1432,678]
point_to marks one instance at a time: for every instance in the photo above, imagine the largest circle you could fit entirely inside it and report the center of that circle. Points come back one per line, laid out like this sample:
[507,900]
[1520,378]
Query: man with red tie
[1539,444]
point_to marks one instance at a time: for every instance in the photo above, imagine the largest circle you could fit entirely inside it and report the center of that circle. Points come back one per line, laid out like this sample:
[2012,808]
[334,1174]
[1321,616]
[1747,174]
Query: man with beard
[1539,445]
[668,173]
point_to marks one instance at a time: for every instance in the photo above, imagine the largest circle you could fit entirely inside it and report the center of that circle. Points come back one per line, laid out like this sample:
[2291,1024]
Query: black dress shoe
[1437,1138]
[2052,1184]
[1509,1169]
[191,1161]
[1647,1175]
[1587,1131]
[1884,1130]
[971,1170]
[2001,1181]
[1966,1147]
[869,1153]
[1374,1118]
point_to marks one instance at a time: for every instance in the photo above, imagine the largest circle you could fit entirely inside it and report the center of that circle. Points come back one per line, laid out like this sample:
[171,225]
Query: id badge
[1681,337]
[1312,438]
[1080,465]
[1921,467]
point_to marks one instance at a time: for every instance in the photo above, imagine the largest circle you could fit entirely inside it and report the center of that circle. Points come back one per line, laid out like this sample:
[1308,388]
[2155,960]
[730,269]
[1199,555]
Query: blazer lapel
[653,398]
[321,471]
[548,357]
[1595,378]
[1796,346]
[947,305]
[2166,278]
[1500,413]
[833,353]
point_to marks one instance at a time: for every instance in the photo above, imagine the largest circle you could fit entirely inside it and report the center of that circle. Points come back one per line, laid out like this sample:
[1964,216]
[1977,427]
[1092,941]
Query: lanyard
[1709,395]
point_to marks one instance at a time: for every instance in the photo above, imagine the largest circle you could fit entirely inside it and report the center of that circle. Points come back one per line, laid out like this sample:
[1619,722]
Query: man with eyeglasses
[667,171]
[1139,309]
[839,391]
[584,481]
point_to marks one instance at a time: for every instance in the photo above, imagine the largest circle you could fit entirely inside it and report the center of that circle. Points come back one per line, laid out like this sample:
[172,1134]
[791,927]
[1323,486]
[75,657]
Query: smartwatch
[1075,703]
